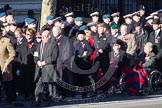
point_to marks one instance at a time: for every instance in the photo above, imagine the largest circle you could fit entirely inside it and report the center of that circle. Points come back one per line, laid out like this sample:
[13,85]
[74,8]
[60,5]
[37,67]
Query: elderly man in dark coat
[45,58]
[64,54]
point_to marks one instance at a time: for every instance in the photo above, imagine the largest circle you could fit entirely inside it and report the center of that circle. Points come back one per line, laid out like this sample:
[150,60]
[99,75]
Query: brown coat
[131,44]
[7,54]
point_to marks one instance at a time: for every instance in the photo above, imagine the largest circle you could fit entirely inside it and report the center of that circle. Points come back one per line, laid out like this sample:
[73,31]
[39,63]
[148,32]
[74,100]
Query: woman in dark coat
[27,68]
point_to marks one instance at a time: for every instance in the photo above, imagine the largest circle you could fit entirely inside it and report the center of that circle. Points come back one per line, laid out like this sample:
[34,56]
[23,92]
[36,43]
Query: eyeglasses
[28,34]
[39,37]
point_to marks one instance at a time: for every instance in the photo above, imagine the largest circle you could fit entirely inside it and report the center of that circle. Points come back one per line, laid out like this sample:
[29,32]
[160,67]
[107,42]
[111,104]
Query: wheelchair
[152,84]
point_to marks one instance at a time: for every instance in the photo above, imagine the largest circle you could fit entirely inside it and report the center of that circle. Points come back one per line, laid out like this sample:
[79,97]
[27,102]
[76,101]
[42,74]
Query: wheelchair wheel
[155,82]
[122,83]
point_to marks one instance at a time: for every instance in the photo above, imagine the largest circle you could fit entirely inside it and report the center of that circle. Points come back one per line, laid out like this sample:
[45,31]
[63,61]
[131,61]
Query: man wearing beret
[106,21]
[6,57]
[156,38]
[49,23]
[78,23]
[2,19]
[114,31]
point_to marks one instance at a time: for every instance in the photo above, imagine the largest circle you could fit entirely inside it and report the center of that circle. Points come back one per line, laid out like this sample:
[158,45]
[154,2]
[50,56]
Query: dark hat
[29,20]
[50,17]
[127,16]
[81,32]
[114,26]
[160,11]
[156,21]
[69,14]
[83,27]
[2,14]
[94,14]
[116,41]
[7,7]
[78,19]
[115,14]
[105,16]
[142,7]
[90,24]
[30,12]
[2,10]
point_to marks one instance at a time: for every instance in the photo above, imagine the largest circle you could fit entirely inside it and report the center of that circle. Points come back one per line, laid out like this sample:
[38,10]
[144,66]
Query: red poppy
[100,74]
[30,46]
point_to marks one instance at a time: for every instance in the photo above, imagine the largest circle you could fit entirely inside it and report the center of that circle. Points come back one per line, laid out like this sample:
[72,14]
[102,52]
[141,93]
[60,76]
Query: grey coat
[47,73]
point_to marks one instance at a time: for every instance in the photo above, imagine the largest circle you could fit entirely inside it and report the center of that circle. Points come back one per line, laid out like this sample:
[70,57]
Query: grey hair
[123,26]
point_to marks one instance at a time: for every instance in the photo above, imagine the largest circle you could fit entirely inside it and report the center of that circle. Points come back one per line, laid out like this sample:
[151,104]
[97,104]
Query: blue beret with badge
[105,16]
[50,17]
[2,14]
[29,20]
[83,27]
[78,19]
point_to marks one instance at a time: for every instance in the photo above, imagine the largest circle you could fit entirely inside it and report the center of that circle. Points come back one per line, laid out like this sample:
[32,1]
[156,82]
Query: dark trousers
[44,88]
[9,89]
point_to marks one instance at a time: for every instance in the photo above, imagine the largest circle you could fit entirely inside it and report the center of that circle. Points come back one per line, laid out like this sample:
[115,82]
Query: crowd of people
[32,59]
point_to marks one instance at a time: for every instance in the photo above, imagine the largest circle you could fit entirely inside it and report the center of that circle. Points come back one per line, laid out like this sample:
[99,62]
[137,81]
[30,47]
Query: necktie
[43,45]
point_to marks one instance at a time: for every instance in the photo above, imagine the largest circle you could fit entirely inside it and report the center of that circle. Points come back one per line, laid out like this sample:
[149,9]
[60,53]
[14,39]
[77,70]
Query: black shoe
[36,103]
[18,104]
